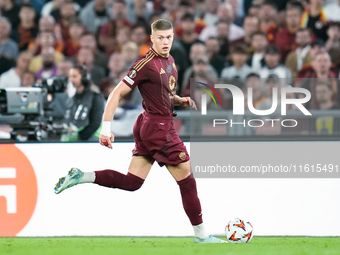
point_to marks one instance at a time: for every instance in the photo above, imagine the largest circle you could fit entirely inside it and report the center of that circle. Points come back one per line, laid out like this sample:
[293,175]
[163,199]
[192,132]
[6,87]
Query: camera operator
[85,109]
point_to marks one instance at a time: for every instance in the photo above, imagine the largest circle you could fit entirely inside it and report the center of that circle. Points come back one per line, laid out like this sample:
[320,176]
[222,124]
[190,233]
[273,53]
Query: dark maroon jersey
[156,78]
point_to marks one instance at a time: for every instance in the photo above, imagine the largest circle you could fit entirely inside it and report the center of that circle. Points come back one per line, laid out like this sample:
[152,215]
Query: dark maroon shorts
[157,140]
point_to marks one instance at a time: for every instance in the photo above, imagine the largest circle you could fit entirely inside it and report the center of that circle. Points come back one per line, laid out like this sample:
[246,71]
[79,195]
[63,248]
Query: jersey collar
[158,55]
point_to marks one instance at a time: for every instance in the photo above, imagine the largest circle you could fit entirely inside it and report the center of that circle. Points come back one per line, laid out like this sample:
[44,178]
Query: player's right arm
[106,137]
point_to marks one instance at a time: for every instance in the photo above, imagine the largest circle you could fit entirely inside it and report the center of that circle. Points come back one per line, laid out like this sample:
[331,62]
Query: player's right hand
[106,141]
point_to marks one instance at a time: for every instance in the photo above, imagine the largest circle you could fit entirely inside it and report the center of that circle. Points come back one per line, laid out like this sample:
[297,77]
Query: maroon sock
[114,179]
[191,202]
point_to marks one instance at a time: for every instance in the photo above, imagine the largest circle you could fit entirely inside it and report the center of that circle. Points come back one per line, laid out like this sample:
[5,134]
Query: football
[239,231]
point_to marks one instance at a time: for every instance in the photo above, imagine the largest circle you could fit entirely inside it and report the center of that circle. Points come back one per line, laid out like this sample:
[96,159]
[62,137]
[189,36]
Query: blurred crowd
[255,43]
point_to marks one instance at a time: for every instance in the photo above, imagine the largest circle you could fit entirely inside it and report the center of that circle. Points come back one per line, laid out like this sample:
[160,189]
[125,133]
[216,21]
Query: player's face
[162,41]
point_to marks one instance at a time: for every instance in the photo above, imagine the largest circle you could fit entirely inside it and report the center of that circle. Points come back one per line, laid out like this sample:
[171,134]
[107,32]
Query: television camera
[29,110]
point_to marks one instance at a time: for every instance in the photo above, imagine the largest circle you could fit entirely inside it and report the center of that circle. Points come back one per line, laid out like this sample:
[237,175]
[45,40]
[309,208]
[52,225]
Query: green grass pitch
[166,245]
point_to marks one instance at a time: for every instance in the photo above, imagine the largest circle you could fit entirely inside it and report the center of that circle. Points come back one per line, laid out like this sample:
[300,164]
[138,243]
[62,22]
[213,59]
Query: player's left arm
[185,101]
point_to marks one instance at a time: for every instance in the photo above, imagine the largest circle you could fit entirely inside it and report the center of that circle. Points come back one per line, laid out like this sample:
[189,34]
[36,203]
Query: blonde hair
[161,24]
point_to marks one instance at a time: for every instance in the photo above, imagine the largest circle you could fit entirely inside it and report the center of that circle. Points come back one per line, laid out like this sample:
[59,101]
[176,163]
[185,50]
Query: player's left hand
[187,101]
[106,141]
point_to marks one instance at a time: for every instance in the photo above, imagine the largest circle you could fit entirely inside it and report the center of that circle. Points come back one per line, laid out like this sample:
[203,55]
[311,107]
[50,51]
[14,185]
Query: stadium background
[48,38]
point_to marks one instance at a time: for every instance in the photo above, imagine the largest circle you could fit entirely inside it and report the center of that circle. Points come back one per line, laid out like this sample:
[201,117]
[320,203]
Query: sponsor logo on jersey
[132,74]
[172,82]
[169,69]
[162,71]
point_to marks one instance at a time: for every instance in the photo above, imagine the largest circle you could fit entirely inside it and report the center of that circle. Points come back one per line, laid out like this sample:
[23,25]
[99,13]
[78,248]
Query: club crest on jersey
[182,155]
[169,69]
[132,74]
[172,82]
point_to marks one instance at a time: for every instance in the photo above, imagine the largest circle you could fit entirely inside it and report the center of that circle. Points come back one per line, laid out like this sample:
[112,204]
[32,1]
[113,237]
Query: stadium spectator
[200,69]
[254,10]
[302,55]
[189,35]
[268,20]
[89,41]
[123,36]
[185,7]
[323,95]
[213,54]
[271,82]
[225,13]
[5,64]
[197,51]
[109,31]
[274,82]
[333,42]
[67,13]
[253,81]
[27,29]
[8,47]
[12,78]
[139,36]
[306,71]
[10,10]
[155,16]
[238,11]
[332,10]
[121,16]
[333,33]
[95,14]
[45,38]
[210,16]
[130,53]
[53,8]
[222,36]
[63,68]
[250,25]
[28,79]
[49,67]
[273,66]
[315,19]
[239,68]
[321,72]
[178,51]
[170,8]
[138,12]
[285,37]
[46,24]
[116,67]
[50,6]
[93,105]
[85,56]
[72,45]
[259,43]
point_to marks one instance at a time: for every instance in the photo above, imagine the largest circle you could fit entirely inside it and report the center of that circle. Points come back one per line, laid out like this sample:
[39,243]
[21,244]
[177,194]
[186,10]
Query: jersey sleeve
[136,74]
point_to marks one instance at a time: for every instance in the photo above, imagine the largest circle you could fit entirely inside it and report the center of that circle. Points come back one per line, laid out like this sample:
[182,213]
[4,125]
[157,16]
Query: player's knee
[134,182]
[135,186]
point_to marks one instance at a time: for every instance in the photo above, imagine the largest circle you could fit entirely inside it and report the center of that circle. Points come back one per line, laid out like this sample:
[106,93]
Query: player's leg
[191,203]
[138,170]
